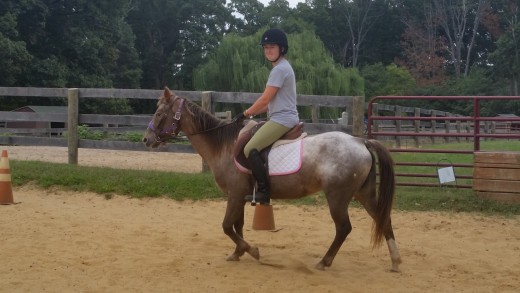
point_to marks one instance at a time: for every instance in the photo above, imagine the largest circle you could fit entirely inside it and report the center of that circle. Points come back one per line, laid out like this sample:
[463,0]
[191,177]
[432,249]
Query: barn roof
[43,109]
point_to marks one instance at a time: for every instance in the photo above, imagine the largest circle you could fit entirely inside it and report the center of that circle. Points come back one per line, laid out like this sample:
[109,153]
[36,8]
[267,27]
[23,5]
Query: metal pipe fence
[434,125]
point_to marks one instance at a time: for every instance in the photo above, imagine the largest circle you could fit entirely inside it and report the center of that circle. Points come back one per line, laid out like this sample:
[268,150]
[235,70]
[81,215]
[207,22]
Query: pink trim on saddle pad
[240,167]
[284,159]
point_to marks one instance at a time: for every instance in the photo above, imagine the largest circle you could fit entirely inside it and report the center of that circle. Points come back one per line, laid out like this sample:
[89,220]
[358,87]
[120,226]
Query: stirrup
[258,197]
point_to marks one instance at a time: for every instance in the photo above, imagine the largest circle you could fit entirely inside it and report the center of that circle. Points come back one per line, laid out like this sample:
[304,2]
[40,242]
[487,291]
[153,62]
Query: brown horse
[340,165]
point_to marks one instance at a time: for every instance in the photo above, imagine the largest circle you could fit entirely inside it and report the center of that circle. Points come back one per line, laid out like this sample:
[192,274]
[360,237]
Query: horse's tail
[386,188]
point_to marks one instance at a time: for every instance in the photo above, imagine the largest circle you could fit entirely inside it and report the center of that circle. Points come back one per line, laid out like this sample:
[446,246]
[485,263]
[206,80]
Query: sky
[292,3]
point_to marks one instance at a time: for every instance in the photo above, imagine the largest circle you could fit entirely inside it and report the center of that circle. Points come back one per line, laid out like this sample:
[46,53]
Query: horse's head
[166,121]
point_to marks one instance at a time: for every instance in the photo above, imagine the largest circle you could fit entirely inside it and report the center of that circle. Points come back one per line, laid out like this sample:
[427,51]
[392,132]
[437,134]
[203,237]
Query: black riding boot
[262,179]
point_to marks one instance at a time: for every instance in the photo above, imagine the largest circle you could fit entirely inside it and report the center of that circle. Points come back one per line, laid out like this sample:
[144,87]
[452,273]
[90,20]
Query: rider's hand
[239,118]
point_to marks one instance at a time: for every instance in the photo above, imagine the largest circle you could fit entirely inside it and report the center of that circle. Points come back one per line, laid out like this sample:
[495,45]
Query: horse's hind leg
[338,210]
[367,197]
[392,248]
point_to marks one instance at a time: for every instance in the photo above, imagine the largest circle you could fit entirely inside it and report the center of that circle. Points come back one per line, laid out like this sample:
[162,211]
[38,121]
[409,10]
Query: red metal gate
[476,128]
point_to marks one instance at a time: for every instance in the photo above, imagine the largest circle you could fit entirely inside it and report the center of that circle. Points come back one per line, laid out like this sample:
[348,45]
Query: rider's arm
[260,105]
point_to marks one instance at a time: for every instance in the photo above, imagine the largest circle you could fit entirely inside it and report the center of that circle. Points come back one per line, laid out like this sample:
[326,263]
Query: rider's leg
[263,190]
[264,137]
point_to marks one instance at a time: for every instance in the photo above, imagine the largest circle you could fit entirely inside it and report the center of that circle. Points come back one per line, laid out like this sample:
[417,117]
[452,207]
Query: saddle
[250,129]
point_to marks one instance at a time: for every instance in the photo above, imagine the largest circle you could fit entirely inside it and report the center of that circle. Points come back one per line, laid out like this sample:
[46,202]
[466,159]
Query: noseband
[170,132]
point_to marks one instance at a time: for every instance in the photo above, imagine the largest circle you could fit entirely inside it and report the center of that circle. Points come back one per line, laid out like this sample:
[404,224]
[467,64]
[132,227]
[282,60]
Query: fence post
[434,125]
[493,128]
[417,126]
[447,127]
[486,129]
[315,114]
[72,125]
[398,113]
[458,123]
[358,116]
[206,104]
[375,123]
[469,129]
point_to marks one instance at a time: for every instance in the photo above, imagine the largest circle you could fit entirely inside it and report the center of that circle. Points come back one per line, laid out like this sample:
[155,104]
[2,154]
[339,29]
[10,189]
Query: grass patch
[185,186]
[447,198]
[439,199]
[107,181]
[450,200]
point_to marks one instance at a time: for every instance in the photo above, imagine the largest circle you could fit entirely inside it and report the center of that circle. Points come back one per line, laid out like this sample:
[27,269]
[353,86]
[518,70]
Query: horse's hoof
[233,257]
[254,252]
[320,266]
[395,269]
[395,265]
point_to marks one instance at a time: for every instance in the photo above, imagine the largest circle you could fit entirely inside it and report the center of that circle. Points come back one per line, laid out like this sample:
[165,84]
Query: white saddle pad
[286,159]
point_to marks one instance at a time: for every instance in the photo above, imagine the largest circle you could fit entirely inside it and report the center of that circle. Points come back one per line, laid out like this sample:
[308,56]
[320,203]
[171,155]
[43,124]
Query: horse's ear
[167,94]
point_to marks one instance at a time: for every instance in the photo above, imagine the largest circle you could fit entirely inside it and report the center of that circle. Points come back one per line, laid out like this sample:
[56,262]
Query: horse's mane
[220,133]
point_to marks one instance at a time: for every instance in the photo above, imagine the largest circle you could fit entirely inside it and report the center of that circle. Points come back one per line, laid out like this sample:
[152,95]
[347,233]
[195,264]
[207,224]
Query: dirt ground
[58,241]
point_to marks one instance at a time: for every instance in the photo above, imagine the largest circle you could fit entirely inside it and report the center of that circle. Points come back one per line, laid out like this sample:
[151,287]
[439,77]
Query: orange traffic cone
[6,190]
[263,218]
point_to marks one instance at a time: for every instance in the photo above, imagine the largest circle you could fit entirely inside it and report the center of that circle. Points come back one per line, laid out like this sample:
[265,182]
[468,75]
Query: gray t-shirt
[282,108]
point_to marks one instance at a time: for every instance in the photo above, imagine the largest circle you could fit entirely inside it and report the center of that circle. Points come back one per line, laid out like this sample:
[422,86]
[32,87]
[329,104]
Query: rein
[212,129]
[174,129]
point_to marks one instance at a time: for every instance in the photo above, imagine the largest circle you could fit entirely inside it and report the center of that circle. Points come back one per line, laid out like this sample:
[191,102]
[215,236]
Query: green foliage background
[338,47]
[238,65]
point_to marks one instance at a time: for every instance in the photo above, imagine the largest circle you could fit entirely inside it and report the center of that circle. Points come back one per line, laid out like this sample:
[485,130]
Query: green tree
[423,50]
[239,65]
[71,43]
[249,16]
[358,32]
[454,30]
[479,82]
[173,37]
[322,15]
[74,43]
[459,22]
[48,72]
[387,80]
[506,59]
[14,56]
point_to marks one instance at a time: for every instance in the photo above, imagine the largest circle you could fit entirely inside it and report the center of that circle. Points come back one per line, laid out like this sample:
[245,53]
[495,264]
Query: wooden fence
[353,106]
[497,176]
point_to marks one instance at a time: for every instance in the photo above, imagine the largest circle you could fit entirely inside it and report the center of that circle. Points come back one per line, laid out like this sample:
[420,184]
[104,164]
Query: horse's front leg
[233,225]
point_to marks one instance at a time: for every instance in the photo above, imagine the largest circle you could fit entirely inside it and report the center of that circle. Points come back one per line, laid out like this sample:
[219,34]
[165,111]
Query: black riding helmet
[276,36]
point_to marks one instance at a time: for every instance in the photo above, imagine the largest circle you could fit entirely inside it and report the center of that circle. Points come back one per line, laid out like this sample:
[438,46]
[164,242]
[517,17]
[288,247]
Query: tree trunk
[453,19]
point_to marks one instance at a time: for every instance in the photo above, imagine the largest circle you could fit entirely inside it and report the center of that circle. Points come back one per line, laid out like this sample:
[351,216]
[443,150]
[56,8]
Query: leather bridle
[174,129]
[161,135]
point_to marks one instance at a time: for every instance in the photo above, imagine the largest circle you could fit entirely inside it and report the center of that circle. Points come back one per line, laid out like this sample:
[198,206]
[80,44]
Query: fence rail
[458,127]
[398,122]
[353,106]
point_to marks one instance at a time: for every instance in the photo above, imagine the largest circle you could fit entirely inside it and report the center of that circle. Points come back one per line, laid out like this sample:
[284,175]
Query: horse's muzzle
[146,142]
[150,140]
